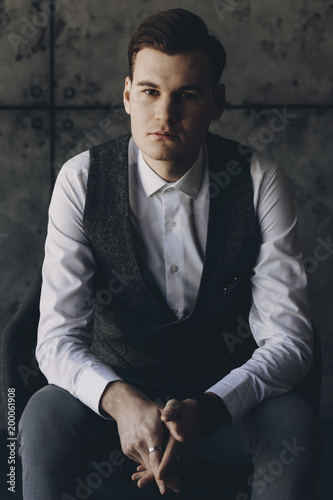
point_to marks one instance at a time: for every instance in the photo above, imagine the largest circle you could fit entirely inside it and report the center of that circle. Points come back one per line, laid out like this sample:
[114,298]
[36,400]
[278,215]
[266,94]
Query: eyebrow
[145,83]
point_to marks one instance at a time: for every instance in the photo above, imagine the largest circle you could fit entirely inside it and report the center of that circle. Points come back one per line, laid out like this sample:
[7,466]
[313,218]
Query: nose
[166,110]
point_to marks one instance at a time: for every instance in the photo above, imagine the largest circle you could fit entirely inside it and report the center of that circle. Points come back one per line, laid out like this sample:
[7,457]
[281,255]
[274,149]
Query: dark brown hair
[177,31]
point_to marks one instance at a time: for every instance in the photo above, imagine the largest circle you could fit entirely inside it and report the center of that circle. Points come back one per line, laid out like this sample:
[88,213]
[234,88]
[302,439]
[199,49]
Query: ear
[127,95]
[219,98]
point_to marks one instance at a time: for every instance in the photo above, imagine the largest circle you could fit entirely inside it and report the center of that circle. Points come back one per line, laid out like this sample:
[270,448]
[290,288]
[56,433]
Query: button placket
[174,251]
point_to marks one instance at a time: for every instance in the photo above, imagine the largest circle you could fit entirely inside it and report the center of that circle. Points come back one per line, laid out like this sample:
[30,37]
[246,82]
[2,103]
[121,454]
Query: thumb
[175,430]
[171,410]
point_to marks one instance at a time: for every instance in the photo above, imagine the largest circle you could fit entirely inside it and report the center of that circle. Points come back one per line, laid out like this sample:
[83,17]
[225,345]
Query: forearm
[246,386]
[65,331]
[70,364]
[119,397]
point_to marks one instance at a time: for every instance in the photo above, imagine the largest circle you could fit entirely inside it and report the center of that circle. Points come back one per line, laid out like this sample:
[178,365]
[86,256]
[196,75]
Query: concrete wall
[279,55]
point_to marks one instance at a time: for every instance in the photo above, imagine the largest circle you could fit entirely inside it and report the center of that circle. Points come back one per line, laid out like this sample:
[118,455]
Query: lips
[163,133]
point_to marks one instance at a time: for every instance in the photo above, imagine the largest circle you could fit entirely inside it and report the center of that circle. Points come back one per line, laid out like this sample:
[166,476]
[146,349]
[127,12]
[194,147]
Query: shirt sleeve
[279,317]
[67,297]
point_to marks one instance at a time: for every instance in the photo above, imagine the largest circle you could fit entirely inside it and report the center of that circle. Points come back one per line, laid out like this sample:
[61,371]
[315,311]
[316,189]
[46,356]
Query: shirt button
[172,223]
[174,269]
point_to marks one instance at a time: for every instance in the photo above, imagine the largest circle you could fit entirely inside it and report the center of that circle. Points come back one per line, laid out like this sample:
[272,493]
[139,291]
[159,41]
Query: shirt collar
[188,184]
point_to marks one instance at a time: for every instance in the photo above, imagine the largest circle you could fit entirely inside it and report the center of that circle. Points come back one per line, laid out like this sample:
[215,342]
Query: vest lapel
[232,238]
[114,244]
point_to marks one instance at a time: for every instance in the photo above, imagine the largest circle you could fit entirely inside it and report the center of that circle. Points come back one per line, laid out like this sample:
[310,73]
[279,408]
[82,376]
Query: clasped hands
[175,428]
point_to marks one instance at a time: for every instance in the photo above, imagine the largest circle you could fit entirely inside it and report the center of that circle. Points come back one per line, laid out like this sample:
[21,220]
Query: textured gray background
[279,53]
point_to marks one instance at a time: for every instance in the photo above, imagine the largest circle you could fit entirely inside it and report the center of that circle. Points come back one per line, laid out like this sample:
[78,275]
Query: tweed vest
[135,332]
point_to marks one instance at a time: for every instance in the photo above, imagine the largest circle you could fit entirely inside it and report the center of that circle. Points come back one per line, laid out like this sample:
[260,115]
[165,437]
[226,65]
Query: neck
[171,171]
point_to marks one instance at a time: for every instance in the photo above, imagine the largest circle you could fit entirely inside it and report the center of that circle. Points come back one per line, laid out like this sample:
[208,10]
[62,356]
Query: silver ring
[155,448]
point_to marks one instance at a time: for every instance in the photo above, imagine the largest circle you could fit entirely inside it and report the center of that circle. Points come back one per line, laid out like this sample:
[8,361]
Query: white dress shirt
[170,221]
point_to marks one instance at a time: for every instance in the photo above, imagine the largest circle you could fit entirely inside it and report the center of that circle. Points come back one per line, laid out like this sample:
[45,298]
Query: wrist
[213,413]
[110,398]
[117,397]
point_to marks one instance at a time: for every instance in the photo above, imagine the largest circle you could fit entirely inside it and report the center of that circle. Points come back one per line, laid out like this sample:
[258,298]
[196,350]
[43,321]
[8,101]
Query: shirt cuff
[238,394]
[92,384]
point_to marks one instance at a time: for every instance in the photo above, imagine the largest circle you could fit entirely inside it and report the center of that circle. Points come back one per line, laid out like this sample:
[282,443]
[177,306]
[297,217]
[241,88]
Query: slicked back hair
[177,31]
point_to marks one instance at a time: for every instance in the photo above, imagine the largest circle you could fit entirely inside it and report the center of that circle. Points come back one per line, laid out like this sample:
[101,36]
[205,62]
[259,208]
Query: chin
[158,150]
[165,154]
[161,156]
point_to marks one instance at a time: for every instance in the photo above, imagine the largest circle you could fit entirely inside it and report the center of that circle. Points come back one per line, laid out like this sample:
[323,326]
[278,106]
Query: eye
[188,95]
[151,92]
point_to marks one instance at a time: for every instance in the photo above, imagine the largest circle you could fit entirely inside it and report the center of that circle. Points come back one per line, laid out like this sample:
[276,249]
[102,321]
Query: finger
[138,475]
[136,458]
[141,468]
[171,410]
[155,458]
[174,427]
[172,482]
[173,485]
[169,459]
[147,479]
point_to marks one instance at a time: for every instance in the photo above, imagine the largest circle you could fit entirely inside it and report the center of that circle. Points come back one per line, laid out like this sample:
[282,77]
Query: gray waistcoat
[134,330]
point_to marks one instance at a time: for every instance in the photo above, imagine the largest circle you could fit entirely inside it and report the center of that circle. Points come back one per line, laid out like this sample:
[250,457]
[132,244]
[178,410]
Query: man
[172,274]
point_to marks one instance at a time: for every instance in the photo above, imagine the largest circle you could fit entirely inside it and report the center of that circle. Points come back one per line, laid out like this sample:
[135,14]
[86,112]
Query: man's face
[171,103]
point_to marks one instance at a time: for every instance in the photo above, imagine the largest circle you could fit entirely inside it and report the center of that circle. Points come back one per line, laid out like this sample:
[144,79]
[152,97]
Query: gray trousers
[58,435]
